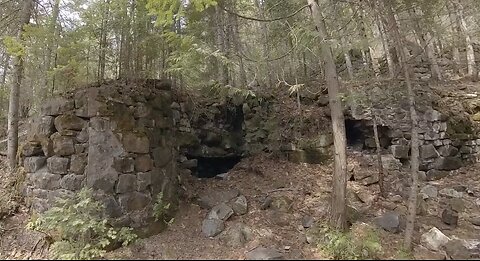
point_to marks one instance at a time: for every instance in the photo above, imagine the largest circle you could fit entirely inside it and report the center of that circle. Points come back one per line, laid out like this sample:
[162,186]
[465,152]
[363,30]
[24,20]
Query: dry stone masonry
[116,139]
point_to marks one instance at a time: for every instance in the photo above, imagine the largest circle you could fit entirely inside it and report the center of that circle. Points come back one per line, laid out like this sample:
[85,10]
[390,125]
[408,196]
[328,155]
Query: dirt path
[256,178]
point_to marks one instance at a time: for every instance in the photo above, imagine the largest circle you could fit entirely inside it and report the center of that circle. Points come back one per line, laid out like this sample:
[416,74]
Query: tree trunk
[414,158]
[456,36]
[426,44]
[13,109]
[51,42]
[338,203]
[348,61]
[386,49]
[381,175]
[472,67]
[220,42]
[6,65]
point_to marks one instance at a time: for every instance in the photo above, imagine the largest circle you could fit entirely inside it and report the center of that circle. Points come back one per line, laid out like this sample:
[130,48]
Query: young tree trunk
[13,108]
[6,66]
[51,42]
[456,35]
[338,210]
[381,175]
[426,44]
[471,65]
[348,60]
[386,49]
[414,159]
[220,42]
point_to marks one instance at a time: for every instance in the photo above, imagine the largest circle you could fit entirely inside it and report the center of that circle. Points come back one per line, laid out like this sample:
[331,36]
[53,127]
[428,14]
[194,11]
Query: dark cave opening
[359,134]
[209,167]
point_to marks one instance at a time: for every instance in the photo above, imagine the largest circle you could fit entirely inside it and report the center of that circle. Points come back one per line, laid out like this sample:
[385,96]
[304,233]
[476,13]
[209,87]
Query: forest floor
[308,186]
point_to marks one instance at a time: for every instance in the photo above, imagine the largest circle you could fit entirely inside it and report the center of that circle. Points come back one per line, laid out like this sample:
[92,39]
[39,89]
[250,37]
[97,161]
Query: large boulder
[240,205]
[212,227]
[58,165]
[428,151]
[32,164]
[222,212]
[400,151]
[213,198]
[434,239]
[62,145]
[447,163]
[69,122]
[389,221]
[56,106]
[136,143]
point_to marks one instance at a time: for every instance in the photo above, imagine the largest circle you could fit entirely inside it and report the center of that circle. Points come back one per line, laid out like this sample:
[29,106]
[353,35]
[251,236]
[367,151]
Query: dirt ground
[256,178]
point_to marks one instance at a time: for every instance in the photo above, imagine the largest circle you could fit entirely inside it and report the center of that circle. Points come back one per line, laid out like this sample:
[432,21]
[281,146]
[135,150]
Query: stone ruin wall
[443,146]
[115,138]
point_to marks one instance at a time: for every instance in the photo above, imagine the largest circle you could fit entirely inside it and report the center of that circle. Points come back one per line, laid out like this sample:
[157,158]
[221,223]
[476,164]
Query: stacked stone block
[116,139]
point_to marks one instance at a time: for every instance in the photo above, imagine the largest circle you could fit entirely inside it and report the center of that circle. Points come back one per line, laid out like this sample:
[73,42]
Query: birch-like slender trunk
[13,108]
[338,208]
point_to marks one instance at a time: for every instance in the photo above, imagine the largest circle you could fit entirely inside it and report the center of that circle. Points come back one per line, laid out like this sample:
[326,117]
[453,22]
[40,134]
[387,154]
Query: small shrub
[160,209]
[361,242]
[78,229]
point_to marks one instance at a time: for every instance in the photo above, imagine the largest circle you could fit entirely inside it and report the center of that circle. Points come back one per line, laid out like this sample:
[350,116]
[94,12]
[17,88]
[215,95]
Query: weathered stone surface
[134,201]
[222,212]
[262,253]
[112,208]
[432,115]
[143,163]
[72,182]
[448,151]
[389,221]
[123,165]
[212,227]
[457,251]
[466,150]
[475,221]
[141,110]
[41,127]
[428,151]
[126,183]
[213,198]
[47,147]
[447,163]
[144,179]
[32,164]
[325,140]
[69,122]
[80,148]
[237,235]
[434,174]
[62,146]
[391,163]
[434,239]
[32,148]
[86,103]
[136,143]
[189,164]
[450,193]
[422,253]
[429,191]
[58,165]
[162,156]
[307,221]
[42,179]
[103,148]
[82,136]
[450,217]
[78,163]
[400,151]
[56,106]
[240,205]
